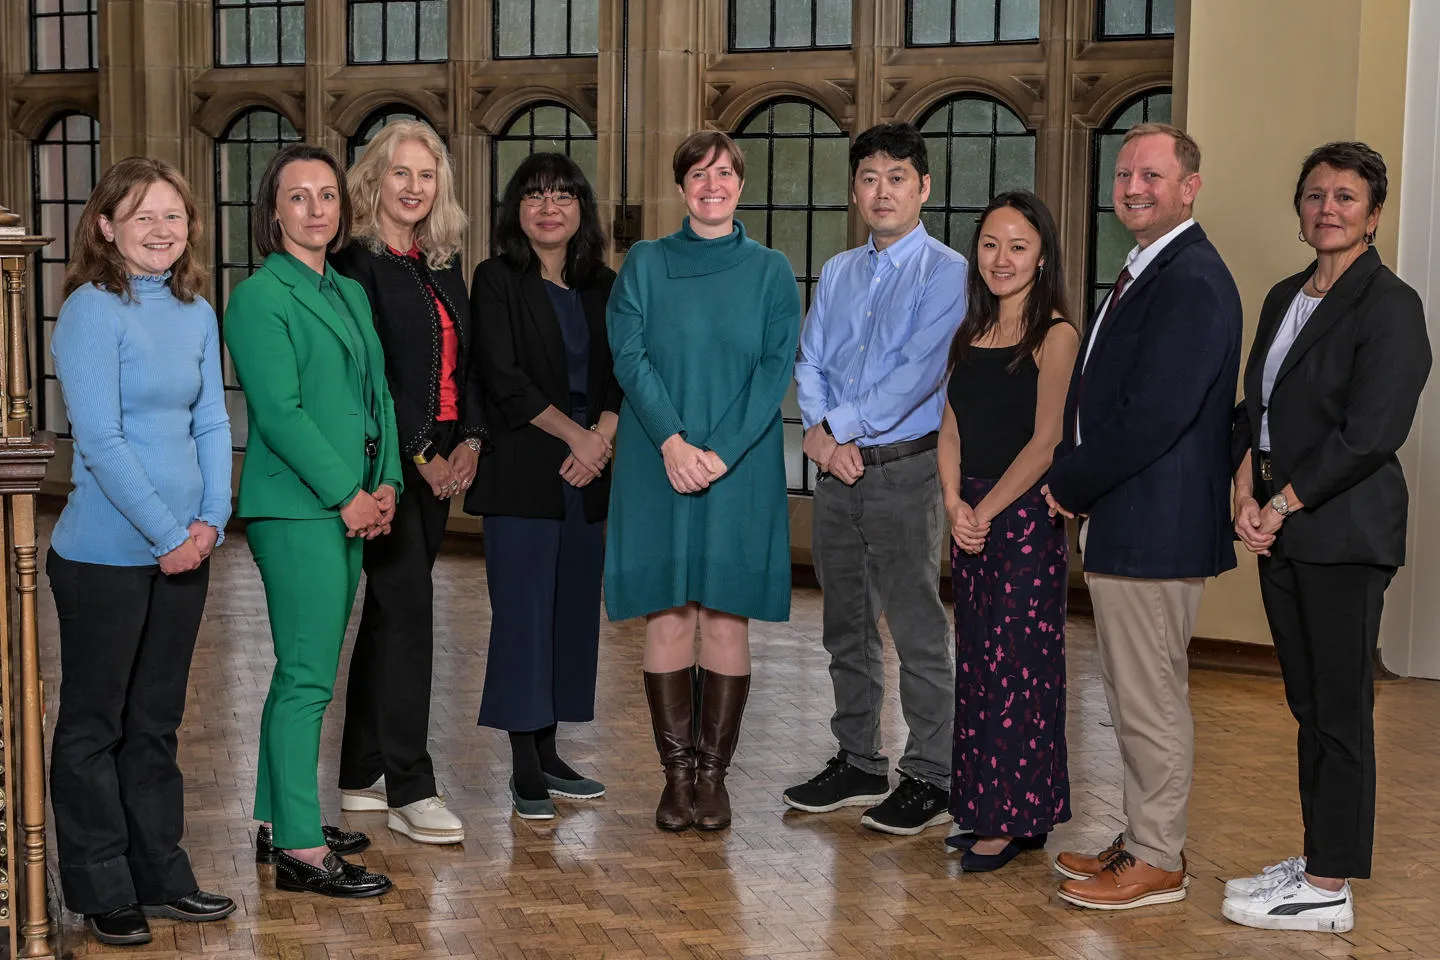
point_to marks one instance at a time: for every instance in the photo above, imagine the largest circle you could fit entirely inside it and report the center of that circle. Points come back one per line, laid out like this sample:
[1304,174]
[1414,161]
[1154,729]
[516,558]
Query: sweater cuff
[174,539]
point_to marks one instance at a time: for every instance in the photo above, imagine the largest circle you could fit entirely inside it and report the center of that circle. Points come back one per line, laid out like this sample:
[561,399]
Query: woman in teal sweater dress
[703,325]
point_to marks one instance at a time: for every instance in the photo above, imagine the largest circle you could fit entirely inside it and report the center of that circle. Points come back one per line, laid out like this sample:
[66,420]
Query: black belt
[372,448]
[886,452]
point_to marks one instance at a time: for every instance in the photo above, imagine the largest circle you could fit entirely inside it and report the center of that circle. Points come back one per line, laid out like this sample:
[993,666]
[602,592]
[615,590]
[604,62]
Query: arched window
[1109,240]
[398,31]
[63,37]
[65,163]
[1134,19]
[376,122]
[936,23]
[241,154]
[539,128]
[258,33]
[546,28]
[789,24]
[977,148]
[797,189]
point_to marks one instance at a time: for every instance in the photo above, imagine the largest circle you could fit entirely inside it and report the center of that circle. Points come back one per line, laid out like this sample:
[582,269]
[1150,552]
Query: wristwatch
[825,425]
[1280,505]
[426,454]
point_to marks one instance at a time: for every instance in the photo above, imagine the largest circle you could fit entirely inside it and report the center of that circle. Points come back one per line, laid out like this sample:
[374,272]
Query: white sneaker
[1271,875]
[369,798]
[1294,905]
[427,821]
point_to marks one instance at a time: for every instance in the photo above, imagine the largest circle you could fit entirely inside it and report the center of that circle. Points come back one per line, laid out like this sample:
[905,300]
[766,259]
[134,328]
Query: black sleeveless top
[994,407]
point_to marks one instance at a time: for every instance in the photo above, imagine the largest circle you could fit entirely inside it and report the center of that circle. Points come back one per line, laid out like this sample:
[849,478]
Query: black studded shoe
[343,842]
[336,879]
[122,927]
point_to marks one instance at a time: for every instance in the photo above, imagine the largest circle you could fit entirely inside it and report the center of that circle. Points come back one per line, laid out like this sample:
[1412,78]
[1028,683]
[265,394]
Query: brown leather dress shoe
[1083,866]
[1126,883]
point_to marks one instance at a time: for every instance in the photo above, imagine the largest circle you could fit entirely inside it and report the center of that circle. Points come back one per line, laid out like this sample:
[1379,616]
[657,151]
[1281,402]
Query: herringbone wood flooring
[602,882]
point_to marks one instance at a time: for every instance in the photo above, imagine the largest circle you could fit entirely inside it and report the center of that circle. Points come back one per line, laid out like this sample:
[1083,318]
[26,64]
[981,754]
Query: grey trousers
[877,550]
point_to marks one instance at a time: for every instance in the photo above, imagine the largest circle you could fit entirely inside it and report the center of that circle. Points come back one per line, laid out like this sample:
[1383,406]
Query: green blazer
[302,379]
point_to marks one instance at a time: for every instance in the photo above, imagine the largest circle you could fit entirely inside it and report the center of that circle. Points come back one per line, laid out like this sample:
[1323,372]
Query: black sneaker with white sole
[840,784]
[913,806]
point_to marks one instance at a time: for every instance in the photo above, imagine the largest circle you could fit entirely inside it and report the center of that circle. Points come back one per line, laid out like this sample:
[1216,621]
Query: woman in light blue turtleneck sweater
[137,353]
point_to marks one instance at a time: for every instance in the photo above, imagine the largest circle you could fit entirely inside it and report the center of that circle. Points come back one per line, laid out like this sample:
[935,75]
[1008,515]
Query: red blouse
[449,408]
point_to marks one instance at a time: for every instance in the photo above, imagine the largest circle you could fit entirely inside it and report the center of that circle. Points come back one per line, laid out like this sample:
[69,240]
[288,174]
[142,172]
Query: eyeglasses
[537,200]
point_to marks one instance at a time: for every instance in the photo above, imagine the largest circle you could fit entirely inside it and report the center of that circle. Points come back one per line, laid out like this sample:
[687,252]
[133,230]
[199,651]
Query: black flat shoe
[122,927]
[343,842]
[336,879]
[198,907]
[972,862]
[960,842]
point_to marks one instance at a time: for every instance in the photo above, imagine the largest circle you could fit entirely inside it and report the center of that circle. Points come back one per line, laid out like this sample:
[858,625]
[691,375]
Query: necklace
[1319,290]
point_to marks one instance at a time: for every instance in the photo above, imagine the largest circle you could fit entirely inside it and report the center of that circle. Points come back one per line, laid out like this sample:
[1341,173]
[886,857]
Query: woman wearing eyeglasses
[551,403]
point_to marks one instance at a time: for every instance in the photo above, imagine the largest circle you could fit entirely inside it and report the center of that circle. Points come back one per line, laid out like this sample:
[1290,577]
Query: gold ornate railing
[24,455]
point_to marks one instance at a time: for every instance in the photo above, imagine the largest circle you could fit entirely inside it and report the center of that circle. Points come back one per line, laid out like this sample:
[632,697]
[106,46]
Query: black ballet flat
[972,862]
[122,927]
[960,842]
[336,879]
[343,842]
[198,907]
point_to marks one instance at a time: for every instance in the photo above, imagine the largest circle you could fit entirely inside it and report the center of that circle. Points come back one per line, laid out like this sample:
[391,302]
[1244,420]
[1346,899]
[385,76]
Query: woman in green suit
[321,476]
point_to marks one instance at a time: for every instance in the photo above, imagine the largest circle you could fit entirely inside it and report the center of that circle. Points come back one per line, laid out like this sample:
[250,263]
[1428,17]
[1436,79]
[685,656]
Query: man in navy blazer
[1145,457]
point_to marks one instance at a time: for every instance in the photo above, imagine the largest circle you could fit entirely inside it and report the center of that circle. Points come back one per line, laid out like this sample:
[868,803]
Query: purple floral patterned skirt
[1010,776]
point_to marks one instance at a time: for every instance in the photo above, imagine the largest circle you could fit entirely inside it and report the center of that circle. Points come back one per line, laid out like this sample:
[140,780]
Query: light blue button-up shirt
[872,354]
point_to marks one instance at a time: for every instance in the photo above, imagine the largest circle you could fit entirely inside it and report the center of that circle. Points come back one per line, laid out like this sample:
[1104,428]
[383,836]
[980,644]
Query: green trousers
[310,570]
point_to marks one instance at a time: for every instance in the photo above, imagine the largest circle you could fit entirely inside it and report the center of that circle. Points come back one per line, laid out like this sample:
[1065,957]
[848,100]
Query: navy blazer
[1155,406]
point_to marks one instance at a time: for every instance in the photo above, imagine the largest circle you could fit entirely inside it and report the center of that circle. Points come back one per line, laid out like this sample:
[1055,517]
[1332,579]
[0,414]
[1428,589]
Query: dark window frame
[63,243]
[945,207]
[1100,202]
[569,54]
[954,23]
[772,47]
[249,6]
[385,10]
[1149,33]
[64,17]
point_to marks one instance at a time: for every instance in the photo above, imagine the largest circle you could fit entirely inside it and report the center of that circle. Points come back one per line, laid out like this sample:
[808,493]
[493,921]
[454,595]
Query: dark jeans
[387,701]
[126,638]
[877,551]
[1325,619]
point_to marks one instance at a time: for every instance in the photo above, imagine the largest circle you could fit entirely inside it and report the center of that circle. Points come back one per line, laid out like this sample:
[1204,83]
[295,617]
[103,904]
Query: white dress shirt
[1295,319]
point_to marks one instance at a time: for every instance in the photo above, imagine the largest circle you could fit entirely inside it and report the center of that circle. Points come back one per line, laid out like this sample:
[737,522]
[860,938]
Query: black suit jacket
[408,323]
[522,366]
[1341,406]
[1154,404]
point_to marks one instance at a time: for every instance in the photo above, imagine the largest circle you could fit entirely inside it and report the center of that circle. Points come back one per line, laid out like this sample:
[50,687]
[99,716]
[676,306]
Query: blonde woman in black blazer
[1331,388]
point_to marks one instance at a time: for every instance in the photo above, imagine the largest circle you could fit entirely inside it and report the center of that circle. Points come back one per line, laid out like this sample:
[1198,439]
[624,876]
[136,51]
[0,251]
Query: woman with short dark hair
[704,325]
[550,398]
[1331,388]
[321,476]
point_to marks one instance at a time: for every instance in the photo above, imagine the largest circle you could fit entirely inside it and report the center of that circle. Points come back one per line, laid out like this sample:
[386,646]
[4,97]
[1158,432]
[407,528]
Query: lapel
[309,297]
[1335,305]
[1269,326]
[542,315]
[1147,276]
[593,299]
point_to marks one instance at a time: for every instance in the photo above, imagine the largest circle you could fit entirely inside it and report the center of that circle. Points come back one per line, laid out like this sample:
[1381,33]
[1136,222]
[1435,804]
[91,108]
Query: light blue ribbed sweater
[143,391]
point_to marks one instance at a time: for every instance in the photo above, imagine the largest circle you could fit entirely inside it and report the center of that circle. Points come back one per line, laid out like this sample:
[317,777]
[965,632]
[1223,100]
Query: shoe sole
[362,802]
[420,835]
[865,800]
[934,821]
[170,913]
[1067,872]
[674,828]
[1298,922]
[575,796]
[301,888]
[532,816]
[1148,900]
[132,940]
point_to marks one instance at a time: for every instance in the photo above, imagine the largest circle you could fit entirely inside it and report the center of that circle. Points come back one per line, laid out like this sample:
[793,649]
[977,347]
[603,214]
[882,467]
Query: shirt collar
[308,272]
[1141,257]
[900,251]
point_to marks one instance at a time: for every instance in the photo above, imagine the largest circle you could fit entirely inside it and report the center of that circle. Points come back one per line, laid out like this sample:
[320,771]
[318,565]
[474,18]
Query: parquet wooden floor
[602,882]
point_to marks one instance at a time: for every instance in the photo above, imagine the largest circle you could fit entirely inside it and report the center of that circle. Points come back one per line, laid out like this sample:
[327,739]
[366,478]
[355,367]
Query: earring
[1370,237]
[1040,268]
[1300,235]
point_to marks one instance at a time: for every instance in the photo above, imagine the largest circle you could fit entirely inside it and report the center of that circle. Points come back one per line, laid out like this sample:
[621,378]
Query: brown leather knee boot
[672,696]
[722,704]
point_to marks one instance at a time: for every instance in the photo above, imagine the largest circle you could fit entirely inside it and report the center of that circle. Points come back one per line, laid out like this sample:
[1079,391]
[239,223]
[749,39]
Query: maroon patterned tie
[1121,282]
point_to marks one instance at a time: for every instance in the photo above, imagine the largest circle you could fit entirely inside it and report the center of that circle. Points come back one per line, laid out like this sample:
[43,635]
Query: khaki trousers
[1144,631]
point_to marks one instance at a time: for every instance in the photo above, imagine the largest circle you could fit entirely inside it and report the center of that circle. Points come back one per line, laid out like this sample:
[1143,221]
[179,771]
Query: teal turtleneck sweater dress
[704,334]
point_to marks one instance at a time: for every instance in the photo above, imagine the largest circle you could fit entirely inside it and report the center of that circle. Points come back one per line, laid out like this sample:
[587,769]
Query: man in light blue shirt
[869,379]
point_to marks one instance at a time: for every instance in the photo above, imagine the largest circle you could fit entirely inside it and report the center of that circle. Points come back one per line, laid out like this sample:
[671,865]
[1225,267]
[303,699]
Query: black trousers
[126,638]
[1325,618]
[387,702]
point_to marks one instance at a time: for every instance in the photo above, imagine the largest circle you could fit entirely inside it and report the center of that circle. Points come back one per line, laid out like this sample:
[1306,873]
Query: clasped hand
[968,529]
[194,551]
[590,451]
[1256,526]
[1054,504]
[689,468]
[369,515]
[840,460]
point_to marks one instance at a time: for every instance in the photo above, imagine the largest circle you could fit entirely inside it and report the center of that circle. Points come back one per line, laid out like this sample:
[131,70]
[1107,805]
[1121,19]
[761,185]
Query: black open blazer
[1340,408]
[522,368]
[409,327]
